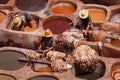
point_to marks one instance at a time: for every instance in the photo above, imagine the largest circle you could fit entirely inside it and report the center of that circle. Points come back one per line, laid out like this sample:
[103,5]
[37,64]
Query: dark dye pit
[9,60]
[98,73]
[43,77]
[6,77]
[3,1]
[57,24]
[115,18]
[31,5]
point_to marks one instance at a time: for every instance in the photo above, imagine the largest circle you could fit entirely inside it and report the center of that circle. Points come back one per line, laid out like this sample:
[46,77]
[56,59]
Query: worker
[23,22]
[16,23]
[85,22]
[47,41]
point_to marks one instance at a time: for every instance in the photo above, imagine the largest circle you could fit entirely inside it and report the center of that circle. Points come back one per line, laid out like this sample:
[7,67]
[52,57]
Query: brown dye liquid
[9,60]
[115,43]
[97,14]
[57,26]
[43,78]
[63,10]
[2,16]
[6,77]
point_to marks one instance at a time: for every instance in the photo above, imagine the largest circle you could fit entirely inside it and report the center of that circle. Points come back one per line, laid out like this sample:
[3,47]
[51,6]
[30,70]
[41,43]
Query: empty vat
[97,14]
[9,60]
[57,24]
[107,51]
[64,8]
[31,5]
[43,77]
[6,77]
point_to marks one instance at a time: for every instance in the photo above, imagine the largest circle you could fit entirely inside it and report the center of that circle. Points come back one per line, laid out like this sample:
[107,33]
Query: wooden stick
[33,61]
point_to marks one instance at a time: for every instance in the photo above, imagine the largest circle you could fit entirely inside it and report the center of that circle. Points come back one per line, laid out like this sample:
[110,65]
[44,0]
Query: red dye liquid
[57,26]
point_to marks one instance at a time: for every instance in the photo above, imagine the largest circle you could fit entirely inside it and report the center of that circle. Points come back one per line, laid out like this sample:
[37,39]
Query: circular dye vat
[116,71]
[116,43]
[115,18]
[9,60]
[3,1]
[6,77]
[64,8]
[57,24]
[31,5]
[2,16]
[43,77]
[98,73]
[97,14]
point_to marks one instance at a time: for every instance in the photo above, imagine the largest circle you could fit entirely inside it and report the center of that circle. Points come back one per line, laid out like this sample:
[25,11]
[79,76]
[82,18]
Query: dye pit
[60,17]
[6,77]
[63,8]
[98,73]
[57,24]
[97,14]
[31,6]
[10,58]
[43,77]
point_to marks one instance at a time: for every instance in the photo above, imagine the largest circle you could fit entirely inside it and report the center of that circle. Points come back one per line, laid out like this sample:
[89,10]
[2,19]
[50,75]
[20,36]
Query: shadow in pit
[98,73]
